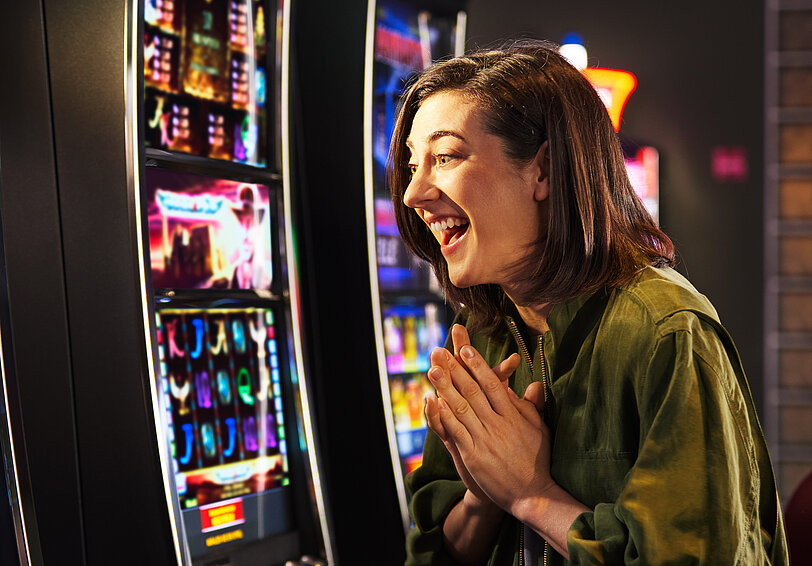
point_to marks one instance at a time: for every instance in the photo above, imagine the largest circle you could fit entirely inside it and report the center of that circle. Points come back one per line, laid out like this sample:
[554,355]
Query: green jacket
[654,430]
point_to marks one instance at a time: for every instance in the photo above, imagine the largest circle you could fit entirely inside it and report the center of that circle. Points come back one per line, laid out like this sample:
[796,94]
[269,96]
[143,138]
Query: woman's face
[482,207]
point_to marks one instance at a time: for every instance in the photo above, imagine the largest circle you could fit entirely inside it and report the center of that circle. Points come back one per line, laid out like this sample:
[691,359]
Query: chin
[461,280]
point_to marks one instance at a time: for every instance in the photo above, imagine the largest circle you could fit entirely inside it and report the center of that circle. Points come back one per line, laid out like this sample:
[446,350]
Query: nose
[420,190]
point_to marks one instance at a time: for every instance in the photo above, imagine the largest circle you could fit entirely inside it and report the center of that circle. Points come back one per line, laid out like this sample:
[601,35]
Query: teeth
[446,224]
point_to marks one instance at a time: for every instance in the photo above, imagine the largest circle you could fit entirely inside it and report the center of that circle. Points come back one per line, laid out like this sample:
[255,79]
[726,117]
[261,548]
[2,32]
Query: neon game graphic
[208,233]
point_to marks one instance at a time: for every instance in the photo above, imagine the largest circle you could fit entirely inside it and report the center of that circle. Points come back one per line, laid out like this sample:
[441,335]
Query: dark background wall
[699,67]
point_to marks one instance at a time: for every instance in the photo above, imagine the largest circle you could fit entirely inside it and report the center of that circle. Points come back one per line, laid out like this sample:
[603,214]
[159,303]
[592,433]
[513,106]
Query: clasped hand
[498,441]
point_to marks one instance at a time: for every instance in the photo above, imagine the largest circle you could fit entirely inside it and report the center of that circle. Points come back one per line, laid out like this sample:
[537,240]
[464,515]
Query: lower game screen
[224,412]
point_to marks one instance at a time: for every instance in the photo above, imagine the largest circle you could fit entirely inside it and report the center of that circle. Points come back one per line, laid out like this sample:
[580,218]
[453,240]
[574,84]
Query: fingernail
[467,352]
[435,373]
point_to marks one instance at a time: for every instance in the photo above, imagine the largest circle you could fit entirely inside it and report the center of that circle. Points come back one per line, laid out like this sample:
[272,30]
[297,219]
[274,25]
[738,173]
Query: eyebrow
[437,134]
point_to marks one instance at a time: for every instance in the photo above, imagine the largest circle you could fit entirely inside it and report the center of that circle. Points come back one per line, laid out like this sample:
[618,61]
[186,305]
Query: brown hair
[598,232]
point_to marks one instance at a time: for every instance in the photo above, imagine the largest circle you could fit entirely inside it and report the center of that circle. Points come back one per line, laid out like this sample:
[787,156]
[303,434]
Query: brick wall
[788,133]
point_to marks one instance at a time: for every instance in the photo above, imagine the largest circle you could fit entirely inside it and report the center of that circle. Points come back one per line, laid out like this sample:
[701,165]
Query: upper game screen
[205,78]
[207,232]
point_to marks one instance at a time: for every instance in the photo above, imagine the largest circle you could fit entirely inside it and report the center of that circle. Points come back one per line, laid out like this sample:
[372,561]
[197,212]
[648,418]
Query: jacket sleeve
[692,496]
[436,488]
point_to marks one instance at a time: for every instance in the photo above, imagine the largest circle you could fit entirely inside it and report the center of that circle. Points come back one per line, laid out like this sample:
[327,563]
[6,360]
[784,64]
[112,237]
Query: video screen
[407,393]
[221,384]
[205,76]
[410,334]
[207,232]
[398,270]
[643,169]
[406,42]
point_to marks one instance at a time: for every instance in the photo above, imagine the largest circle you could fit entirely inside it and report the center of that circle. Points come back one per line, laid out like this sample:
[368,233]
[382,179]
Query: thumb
[535,394]
[506,367]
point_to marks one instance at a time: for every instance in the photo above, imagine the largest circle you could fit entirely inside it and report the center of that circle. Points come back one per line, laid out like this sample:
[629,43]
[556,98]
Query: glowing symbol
[171,329]
[187,430]
[244,386]
[161,118]
[258,334]
[259,78]
[203,386]
[198,324]
[238,331]
[249,136]
[207,437]
[232,435]
[249,430]
[222,344]
[223,387]
[264,384]
[270,432]
[180,393]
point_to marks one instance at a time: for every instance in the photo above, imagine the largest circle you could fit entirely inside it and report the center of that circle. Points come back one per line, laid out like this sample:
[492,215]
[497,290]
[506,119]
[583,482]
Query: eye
[412,169]
[443,159]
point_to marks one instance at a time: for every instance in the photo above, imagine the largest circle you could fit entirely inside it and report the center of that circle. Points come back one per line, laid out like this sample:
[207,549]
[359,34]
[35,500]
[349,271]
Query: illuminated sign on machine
[221,515]
[174,204]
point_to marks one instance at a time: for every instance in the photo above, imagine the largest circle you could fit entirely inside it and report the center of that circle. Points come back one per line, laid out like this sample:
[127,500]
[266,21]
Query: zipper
[521,546]
[514,329]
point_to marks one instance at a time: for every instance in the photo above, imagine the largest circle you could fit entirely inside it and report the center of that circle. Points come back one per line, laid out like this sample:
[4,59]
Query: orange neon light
[614,87]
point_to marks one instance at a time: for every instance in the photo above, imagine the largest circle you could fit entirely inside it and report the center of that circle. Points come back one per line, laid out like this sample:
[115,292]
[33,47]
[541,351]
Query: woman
[593,410]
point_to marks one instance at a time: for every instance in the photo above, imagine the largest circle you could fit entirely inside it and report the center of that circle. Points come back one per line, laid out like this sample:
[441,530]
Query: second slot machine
[230,394]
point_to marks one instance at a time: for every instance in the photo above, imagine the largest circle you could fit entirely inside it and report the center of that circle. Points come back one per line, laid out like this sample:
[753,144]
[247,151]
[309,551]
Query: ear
[541,169]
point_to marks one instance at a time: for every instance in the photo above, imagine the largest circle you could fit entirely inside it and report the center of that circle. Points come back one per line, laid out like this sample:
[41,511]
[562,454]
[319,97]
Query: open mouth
[449,230]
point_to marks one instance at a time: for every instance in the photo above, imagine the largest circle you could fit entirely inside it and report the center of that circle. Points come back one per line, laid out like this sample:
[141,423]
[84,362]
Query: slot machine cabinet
[333,53]
[128,433]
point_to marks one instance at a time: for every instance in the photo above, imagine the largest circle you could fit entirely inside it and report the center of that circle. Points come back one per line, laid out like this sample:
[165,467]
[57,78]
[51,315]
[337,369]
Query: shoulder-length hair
[598,232]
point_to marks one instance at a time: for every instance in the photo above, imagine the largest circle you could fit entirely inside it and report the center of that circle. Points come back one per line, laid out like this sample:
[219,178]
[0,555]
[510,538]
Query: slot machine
[157,408]
[411,316]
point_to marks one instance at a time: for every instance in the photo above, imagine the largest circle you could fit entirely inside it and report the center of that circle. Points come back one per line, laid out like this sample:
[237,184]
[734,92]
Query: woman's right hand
[439,360]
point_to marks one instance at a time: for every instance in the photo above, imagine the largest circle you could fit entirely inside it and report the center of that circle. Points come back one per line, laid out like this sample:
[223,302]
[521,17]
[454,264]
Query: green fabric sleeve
[691,496]
[436,488]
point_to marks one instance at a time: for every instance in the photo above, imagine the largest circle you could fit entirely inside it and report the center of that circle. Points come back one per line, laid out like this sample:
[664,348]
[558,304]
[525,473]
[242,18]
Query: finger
[485,378]
[470,389]
[447,390]
[439,357]
[433,416]
[506,367]
[526,408]
[462,471]
[535,394]
[459,337]
[456,432]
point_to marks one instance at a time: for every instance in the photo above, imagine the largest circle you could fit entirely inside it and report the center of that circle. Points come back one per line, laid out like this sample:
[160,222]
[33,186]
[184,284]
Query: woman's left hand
[501,438]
